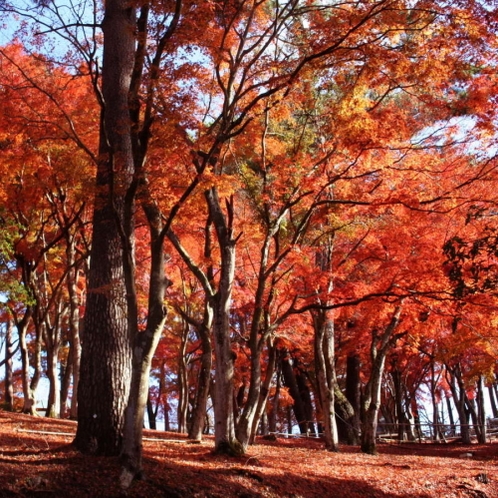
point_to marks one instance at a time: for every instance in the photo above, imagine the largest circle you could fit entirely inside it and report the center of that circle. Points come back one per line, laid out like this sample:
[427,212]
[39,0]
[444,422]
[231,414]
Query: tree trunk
[66,375]
[247,418]
[106,346]
[182,381]
[458,392]
[9,377]
[151,414]
[378,352]
[290,381]
[450,415]
[144,346]
[492,400]
[481,411]
[54,401]
[402,407]
[265,388]
[325,374]
[353,395]
[259,336]
[74,327]
[348,425]
[29,405]
[273,415]
[224,424]
[204,380]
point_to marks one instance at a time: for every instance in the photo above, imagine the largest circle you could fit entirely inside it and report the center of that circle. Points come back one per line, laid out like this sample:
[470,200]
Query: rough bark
[106,347]
[224,424]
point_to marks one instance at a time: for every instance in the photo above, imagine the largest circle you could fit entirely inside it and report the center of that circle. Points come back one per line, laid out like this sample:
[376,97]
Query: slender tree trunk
[74,327]
[151,414]
[66,374]
[325,373]
[28,385]
[199,412]
[144,346]
[492,400]
[9,377]
[481,411]
[54,401]
[458,392]
[259,335]
[471,409]
[450,415]
[106,358]
[265,388]
[378,352]
[247,418]
[182,381]
[275,406]
[437,434]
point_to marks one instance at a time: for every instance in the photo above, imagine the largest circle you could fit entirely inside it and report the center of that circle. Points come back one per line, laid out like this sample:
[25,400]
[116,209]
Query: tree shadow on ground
[63,472]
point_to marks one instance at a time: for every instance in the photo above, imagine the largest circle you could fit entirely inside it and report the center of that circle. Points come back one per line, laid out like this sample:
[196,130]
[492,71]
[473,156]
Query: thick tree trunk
[402,407]
[353,394]
[106,347]
[290,382]
[348,425]
[224,424]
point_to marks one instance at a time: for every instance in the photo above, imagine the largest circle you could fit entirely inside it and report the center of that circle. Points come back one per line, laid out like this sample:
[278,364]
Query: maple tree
[298,163]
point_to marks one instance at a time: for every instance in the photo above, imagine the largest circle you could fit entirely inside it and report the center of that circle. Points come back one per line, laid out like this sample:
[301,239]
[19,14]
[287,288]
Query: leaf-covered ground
[34,462]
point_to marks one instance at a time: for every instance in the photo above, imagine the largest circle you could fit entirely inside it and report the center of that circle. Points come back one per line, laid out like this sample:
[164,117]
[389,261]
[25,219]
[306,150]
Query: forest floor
[35,462]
